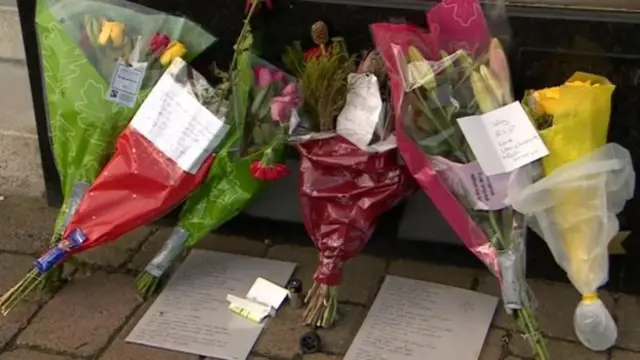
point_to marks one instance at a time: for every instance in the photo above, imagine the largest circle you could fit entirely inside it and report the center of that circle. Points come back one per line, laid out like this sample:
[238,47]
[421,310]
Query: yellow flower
[175,50]
[111,30]
[418,71]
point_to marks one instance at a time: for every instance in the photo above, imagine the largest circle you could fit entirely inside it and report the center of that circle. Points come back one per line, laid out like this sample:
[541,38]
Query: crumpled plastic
[574,210]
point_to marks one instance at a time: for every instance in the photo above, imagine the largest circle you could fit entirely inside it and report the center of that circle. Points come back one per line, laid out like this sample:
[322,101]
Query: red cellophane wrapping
[139,185]
[343,192]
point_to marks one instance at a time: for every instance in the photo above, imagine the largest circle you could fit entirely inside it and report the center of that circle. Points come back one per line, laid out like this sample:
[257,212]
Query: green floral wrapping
[83,124]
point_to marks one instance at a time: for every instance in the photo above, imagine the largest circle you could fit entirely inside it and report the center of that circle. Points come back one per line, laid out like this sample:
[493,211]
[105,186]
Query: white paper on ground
[363,108]
[125,82]
[252,310]
[417,320]
[191,314]
[266,292]
[262,300]
[177,124]
[503,140]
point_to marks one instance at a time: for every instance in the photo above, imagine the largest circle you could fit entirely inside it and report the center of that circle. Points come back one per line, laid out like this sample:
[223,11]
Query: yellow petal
[174,50]
[105,33]
[117,33]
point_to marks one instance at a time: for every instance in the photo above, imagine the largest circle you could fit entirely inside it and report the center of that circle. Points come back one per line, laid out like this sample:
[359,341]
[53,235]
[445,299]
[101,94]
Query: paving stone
[121,350]
[27,224]
[87,311]
[556,305]
[230,244]
[558,349]
[628,316]
[117,252]
[493,345]
[13,268]
[441,274]
[280,338]
[322,357]
[361,276]
[233,244]
[150,248]
[23,354]
[624,355]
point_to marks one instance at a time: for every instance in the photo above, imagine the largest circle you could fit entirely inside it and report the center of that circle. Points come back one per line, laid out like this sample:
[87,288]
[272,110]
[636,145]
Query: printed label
[469,182]
[178,125]
[126,82]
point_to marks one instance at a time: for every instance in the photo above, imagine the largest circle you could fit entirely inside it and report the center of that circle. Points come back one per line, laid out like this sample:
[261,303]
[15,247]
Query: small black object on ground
[310,342]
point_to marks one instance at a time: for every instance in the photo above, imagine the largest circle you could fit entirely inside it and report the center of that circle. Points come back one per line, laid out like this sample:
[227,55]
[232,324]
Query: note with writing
[417,320]
[191,314]
[178,125]
[503,140]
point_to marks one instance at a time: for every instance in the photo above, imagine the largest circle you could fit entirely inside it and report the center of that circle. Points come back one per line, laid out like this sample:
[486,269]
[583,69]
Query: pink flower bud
[159,43]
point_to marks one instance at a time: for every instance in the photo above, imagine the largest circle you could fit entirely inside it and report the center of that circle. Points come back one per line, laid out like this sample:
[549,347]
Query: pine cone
[320,33]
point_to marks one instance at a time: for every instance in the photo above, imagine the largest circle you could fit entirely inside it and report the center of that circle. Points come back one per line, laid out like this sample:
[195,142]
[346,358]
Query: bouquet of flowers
[260,107]
[571,196]
[348,176]
[437,78]
[99,60]
[161,157]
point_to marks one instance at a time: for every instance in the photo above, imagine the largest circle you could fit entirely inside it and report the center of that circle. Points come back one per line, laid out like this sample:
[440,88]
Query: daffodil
[111,30]
[175,50]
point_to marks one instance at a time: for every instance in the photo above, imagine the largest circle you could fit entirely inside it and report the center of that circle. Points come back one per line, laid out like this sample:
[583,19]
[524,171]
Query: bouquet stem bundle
[584,184]
[260,99]
[435,80]
[340,211]
[79,56]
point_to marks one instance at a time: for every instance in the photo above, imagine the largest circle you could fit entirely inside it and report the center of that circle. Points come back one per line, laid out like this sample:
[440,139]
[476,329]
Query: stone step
[10,33]
[20,166]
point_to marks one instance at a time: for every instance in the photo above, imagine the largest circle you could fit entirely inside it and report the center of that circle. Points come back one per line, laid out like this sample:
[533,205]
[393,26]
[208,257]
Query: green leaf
[242,82]
[259,99]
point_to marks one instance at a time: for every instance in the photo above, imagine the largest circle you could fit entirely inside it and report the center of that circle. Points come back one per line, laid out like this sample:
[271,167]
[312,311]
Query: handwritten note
[503,140]
[417,320]
[362,112]
[191,314]
[178,125]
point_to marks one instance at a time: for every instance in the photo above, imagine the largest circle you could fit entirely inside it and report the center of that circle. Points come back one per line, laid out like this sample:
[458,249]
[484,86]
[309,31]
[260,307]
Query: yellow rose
[175,50]
[111,30]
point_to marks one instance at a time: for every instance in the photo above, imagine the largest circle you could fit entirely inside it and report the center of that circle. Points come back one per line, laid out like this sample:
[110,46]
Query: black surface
[543,52]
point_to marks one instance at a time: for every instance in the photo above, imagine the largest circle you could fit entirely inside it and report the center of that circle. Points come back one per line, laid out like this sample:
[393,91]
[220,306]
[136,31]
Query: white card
[126,82]
[418,320]
[266,292]
[503,140]
[358,119]
[178,125]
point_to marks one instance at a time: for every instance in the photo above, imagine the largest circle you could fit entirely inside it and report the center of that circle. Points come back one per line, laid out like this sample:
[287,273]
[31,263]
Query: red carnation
[314,53]
[266,172]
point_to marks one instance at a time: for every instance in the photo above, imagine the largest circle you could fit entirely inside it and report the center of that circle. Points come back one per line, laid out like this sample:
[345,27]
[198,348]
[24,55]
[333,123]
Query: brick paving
[89,317]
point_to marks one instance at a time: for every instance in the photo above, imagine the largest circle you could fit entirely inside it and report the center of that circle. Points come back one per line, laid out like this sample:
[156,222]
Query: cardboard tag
[503,140]
[615,245]
[125,83]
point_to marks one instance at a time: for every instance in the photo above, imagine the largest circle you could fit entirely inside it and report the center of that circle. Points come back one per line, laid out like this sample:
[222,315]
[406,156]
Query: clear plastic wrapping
[574,210]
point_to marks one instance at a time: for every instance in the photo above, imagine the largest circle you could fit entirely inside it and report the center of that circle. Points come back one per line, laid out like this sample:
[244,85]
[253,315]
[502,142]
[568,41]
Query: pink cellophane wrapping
[454,24]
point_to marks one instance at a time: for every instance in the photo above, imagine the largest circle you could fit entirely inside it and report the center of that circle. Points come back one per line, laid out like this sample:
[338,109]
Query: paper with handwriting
[418,320]
[503,140]
[191,314]
[178,124]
